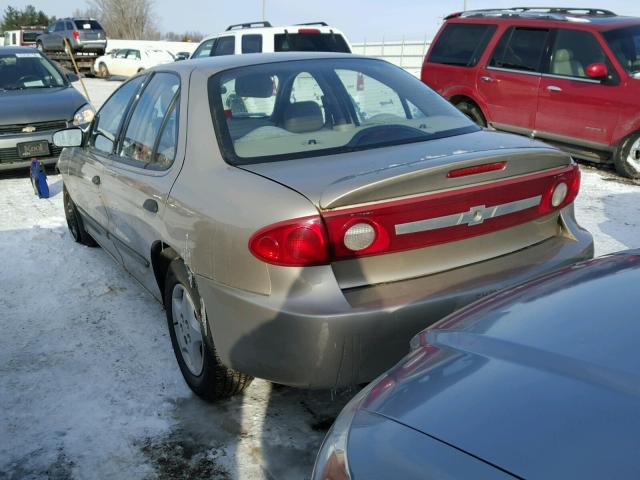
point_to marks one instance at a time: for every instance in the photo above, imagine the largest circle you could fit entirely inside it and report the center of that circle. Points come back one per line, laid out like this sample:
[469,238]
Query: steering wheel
[28,78]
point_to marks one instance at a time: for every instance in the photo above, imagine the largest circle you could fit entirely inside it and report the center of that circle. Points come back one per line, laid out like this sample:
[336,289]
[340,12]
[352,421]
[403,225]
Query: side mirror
[70,137]
[72,77]
[597,71]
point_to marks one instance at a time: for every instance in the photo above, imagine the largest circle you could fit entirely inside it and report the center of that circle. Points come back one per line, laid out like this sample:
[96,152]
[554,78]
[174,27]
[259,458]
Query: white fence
[407,54]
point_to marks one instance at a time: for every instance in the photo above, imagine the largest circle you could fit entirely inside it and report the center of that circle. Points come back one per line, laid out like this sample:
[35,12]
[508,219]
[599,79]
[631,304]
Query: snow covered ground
[89,387]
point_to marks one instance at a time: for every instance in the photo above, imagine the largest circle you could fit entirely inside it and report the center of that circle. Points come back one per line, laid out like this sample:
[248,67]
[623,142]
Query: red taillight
[418,222]
[76,35]
[299,242]
[569,182]
[309,31]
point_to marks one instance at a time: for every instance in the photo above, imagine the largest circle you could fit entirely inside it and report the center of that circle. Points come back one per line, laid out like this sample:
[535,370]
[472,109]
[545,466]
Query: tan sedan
[302,216]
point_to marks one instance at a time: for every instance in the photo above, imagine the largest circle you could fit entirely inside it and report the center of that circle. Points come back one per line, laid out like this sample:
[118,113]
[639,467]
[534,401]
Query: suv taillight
[417,222]
[76,35]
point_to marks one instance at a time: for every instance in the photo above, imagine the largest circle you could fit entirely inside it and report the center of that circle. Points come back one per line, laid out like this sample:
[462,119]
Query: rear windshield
[296,109]
[87,25]
[310,42]
[461,45]
[30,36]
[28,70]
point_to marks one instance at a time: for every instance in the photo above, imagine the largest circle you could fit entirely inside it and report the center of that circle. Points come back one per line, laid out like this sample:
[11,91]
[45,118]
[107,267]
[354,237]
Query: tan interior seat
[564,64]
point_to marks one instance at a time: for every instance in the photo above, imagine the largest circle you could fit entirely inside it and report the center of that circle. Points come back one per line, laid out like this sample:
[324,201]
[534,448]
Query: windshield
[295,109]
[625,44]
[29,70]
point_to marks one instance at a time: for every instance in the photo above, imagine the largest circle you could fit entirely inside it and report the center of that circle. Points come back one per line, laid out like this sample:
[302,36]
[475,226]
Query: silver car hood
[382,173]
[542,380]
[39,105]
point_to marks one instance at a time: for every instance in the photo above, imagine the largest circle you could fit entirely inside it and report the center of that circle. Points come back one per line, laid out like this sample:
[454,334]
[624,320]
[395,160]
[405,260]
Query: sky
[373,20]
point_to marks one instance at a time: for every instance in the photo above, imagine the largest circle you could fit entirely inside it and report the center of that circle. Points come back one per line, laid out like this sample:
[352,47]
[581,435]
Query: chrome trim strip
[513,70]
[475,216]
[573,79]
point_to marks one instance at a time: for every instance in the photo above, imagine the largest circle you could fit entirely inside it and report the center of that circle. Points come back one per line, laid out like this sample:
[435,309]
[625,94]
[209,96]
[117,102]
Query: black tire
[215,381]
[103,71]
[74,221]
[472,111]
[621,157]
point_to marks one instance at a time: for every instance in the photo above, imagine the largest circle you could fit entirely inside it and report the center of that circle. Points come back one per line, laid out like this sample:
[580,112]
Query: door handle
[150,205]
[96,180]
[486,79]
[553,88]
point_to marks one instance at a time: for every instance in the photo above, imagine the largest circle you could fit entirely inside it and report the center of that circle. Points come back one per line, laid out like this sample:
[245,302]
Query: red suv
[568,76]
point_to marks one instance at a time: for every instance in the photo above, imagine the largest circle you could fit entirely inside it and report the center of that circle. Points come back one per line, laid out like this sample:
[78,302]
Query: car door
[57,39]
[131,63]
[117,64]
[572,107]
[87,172]
[138,178]
[508,85]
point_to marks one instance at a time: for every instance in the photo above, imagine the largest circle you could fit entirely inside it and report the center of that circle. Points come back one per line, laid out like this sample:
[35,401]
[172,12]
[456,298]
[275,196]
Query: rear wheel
[191,339]
[103,71]
[471,110]
[74,221]
[627,157]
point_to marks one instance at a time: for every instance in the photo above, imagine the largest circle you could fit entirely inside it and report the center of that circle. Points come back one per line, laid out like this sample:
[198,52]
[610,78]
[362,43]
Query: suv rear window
[520,49]
[461,44]
[310,42]
[87,25]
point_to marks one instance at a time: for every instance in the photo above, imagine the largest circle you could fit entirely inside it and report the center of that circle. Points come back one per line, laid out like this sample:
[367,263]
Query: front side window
[122,53]
[108,120]
[325,106]
[148,120]
[625,45]
[204,50]
[520,49]
[461,44]
[225,46]
[252,43]
[573,51]
[28,70]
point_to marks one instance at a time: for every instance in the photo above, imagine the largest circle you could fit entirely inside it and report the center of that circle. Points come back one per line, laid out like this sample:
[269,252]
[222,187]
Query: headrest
[257,85]
[563,55]
[302,117]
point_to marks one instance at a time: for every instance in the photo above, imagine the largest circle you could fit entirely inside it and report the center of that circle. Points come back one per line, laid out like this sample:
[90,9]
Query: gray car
[36,100]
[302,215]
[84,35]
[539,381]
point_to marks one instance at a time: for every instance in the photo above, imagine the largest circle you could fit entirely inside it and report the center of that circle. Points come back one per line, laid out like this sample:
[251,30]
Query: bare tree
[127,19]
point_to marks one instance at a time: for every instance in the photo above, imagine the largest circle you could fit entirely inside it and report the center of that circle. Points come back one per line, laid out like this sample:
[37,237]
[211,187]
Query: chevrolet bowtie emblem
[28,129]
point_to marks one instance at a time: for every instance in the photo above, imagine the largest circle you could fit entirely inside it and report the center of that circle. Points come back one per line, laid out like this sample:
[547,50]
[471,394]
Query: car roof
[16,49]
[557,17]
[274,30]
[212,65]
[533,377]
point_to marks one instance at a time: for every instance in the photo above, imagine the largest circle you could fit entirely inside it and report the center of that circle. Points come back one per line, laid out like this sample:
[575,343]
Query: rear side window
[461,44]
[148,121]
[225,46]
[87,25]
[251,43]
[520,49]
[310,42]
[59,27]
[109,118]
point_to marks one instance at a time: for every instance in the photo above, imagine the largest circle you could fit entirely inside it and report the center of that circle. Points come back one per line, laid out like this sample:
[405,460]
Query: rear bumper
[9,158]
[90,45]
[314,341]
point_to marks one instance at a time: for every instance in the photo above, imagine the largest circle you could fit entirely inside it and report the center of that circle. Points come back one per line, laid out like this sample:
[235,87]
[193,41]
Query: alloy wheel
[187,329]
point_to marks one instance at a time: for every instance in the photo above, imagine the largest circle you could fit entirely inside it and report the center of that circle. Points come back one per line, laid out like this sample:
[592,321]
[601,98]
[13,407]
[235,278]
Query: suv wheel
[471,110]
[627,157]
[192,343]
